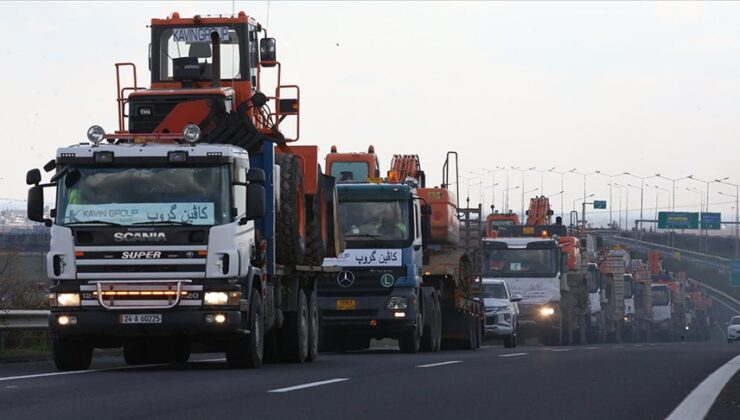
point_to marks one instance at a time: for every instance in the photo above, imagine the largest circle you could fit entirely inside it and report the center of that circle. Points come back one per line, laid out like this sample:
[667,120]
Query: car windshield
[735,321]
[375,220]
[661,296]
[138,196]
[520,262]
[494,290]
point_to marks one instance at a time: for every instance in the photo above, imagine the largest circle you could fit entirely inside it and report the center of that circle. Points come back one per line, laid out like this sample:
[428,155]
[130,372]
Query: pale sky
[611,86]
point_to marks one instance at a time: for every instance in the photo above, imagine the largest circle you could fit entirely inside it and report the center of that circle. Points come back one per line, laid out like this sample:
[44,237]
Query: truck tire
[313,327]
[135,352]
[429,333]
[316,227]
[290,223]
[510,341]
[294,336]
[410,340]
[71,354]
[248,351]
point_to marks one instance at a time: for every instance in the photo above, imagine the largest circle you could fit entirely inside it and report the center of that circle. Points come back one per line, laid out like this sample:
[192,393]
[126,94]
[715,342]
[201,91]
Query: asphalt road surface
[635,381]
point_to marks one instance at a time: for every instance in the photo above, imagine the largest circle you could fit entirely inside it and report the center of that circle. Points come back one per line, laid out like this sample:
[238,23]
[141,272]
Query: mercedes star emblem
[345,279]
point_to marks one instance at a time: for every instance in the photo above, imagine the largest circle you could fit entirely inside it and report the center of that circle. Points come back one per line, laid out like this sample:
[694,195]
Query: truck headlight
[395,303]
[68,299]
[221,298]
[547,311]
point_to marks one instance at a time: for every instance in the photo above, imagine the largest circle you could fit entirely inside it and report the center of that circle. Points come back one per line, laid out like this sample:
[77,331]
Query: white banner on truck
[366,258]
[535,290]
[141,213]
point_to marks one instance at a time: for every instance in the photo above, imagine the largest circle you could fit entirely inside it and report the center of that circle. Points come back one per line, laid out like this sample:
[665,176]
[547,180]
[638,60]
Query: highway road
[633,381]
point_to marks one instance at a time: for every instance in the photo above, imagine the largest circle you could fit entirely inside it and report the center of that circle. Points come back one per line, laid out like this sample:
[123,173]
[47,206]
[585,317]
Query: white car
[502,311]
[733,329]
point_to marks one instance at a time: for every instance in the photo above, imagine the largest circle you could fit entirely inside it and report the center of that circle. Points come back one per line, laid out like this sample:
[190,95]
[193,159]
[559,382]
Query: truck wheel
[313,327]
[248,351]
[470,342]
[437,345]
[316,227]
[294,334]
[71,354]
[429,336]
[182,351]
[135,352]
[510,341]
[290,226]
[410,340]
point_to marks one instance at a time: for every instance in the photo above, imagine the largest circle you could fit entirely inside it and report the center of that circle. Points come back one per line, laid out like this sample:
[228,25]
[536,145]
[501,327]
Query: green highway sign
[711,221]
[599,204]
[735,273]
[678,220]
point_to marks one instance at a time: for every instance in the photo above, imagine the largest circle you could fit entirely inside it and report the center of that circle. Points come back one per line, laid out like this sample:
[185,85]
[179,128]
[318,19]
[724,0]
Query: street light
[611,201]
[737,213]
[656,196]
[516,168]
[542,177]
[562,188]
[581,199]
[506,196]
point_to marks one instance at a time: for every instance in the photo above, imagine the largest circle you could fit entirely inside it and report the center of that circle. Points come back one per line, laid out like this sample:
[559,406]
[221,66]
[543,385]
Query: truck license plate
[140,318]
[346,304]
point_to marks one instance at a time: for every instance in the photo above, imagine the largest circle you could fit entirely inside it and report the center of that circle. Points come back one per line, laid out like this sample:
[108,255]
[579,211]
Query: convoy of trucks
[198,225]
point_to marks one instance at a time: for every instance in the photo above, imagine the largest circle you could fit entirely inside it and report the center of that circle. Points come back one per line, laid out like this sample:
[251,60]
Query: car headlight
[221,298]
[547,311]
[396,303]
[68,299]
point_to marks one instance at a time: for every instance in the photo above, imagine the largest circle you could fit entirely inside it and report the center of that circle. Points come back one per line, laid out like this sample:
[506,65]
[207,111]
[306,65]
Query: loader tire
[294,337]
[290,229]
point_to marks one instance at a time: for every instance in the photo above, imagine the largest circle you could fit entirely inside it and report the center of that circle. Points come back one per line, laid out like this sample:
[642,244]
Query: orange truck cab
[496,222]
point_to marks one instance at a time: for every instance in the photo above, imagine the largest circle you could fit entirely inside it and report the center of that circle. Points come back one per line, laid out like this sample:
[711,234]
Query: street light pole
[611,219]
[562,188]
[516,168]
[737,213]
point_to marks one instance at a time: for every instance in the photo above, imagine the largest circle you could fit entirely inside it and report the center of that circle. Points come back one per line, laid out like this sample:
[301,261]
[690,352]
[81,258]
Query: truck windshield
[521,262]
[661,296]
[193,44]
[350,171]
[375,220]
[138,196]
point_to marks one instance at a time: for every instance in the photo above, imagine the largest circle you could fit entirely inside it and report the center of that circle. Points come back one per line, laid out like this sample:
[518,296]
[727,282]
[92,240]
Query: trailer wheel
[71,354]
[294,334]
[135,352]
[313,327]
[248,351]
[316,227]
[290,226]
[438,323]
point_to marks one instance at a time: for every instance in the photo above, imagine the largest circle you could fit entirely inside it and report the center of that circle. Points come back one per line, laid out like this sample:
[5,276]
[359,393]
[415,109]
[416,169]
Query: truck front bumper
[106,323]
[369,313]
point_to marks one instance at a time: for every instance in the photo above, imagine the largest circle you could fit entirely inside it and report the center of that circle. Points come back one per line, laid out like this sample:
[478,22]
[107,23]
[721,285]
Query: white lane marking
[512,354]
[697,404]
[637,345]
[556,350]
[451,362]
[309,385]
[592,348]
[75,372]
[617,347]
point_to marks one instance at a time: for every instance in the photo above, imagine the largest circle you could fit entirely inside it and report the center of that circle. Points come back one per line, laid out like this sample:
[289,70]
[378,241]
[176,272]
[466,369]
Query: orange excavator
[353,167]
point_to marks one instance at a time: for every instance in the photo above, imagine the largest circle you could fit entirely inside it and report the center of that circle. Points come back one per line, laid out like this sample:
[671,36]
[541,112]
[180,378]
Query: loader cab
[182,51]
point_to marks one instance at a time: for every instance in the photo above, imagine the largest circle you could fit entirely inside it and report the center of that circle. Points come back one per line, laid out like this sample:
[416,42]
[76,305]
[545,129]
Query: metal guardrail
[712,260]
[23,319]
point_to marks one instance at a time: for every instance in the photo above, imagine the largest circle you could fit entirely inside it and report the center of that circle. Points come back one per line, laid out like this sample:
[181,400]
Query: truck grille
[140,262]
[363,283]
[162,294]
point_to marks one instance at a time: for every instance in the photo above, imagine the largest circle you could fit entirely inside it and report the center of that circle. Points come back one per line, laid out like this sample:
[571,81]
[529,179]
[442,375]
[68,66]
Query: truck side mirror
[255,175]
[563,262]
[35,202]
[255,201]
[33,177]
[268,53]
[50,165]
